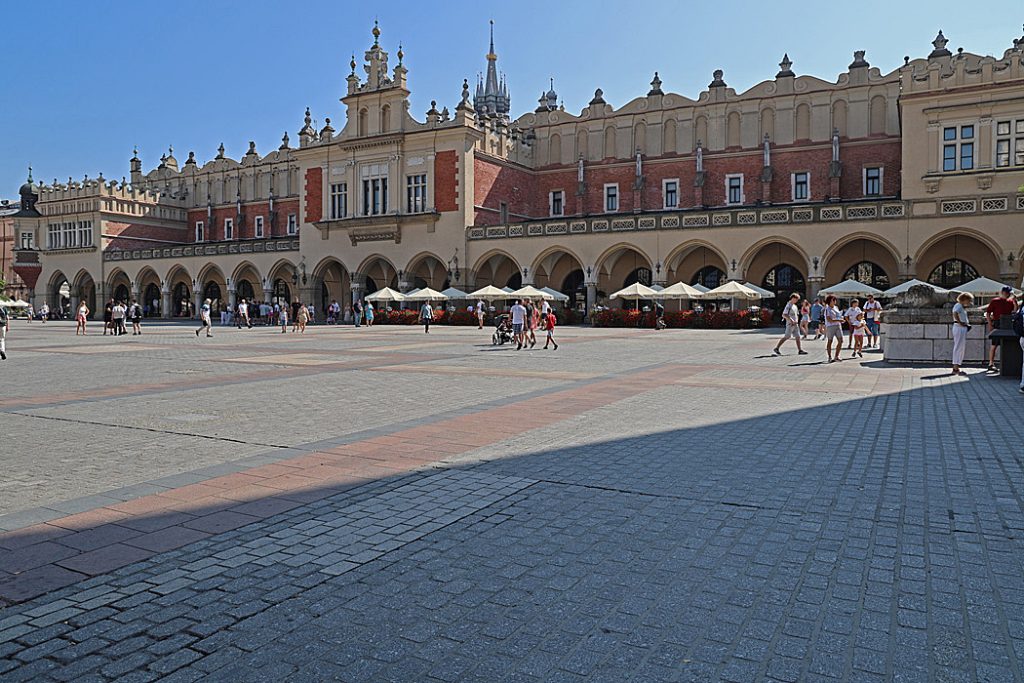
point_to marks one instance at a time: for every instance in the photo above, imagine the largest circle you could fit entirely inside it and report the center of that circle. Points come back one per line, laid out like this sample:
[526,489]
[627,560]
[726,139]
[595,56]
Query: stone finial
[284,141]
[191,159]
[352,65]
[220,151]
[376,33]
[858,60]
[940,47]
[465,104]
[717,82]
[655,86]
[252,149]
[401,54]
[598,97]
[785,67]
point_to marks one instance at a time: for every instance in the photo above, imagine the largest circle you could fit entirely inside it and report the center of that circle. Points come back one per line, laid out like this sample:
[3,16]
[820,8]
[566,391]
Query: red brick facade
[496,182]
[446,181]
[314,194]
[247,230]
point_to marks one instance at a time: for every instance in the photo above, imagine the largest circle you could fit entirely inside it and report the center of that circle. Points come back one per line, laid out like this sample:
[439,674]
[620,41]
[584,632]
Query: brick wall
[446,181]
[314,194]
[141,231]
[282,207]
[496,182]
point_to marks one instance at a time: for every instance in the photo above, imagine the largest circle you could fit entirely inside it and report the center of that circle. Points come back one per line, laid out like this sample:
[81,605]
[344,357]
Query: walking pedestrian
[791,316]
[852,314]
[480,312]
[357,312]
[1004,304]
[426,316]
[872,316]
[961,326]
[108,317]
[818,319]
[283,317]
[5,326]
[805,318]
[833,328]
[302,318]
[532,320]
[81,316]
[518,312]
[135,314]
[369,314]
[205,321]
[859,329]
[549,327]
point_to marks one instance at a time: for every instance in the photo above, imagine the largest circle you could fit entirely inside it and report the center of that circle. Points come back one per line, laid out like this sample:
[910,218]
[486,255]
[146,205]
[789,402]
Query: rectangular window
[611,198]
[1002,153]
[375,196]
[200,231]
[873,181]
[503,212]
[258,226]
[671,193]
[958,147]
[292,224]
[339,201]
[949,134]
[229,228]
[1010,143]
[416,193]
[801,186]
[26,240]
[966,156]
[734,189]
[949,157]
[1018,152]
[556,203]
[966,132]
[85,233]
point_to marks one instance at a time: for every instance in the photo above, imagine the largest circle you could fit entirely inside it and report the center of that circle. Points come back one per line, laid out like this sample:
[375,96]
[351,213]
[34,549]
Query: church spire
[492,98]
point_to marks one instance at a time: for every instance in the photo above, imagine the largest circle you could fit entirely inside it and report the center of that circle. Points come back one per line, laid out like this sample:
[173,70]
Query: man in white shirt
[872,315]
[480,313]
[791,316]
[518,312]
[852,314]
[117,314]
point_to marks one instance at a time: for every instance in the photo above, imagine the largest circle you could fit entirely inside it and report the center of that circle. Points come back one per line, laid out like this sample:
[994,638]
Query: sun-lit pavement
[381,504]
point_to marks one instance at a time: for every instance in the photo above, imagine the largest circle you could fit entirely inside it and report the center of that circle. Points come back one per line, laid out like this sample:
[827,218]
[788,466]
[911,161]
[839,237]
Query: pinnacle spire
[492,94]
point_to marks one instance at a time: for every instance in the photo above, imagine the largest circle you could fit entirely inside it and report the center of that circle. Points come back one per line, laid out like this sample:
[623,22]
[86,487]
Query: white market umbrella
[850,288]
[507,289]
[634,291]
[558,296]
[701,288]
[14,304]
[900,288]
[657,288]
[386,295]
[453,293]
[426,294]
[731,290]
[679,290]
[983,286]
[765,293]
[531,292]
[489,293]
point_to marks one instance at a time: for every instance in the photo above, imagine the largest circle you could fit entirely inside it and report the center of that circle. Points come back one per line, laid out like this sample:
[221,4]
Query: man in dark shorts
[1004,304]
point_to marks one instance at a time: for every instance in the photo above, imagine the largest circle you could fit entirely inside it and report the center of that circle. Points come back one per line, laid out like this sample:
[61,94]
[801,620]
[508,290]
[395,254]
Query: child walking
[549,326]
[859,329]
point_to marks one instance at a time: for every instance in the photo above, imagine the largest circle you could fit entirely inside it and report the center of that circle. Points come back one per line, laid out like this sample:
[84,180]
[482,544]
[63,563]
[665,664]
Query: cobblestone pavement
[378,505]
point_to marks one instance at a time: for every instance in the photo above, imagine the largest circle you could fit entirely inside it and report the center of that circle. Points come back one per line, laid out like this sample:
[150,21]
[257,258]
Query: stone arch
[839,111]
[426,269]
[119,285]
[973,247]
[376,272]
[732,130]
[618,264]
[668,141]
[497,268]
[769,252]
[56,294]
[148,283]
[246,270]
[877,115]
[279,279]
[561,269]
[609,142]
[180,287]
[802,129]
[856,248]
[331,282]
[687,259]
[555,149]
[211,284]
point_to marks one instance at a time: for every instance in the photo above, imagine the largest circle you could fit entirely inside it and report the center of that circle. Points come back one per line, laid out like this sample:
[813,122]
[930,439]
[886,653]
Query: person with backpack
[135,315]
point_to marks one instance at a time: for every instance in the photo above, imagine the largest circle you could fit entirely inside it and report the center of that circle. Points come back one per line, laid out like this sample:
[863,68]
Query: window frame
[728,197]
[200,231]
[864,181]
[560,195]
[664,193]
[338,200]
[503,214]
[416,193]
[293,224]
[28,239]
[615,196]
[1013,140]
[806,183]
[257,224]
[229,228]
[958,147]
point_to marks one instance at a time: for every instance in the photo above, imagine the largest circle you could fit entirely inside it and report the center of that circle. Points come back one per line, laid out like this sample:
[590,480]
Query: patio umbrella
[453,293]
[765,293]
[657,288]
[983,286]
[679,290]
[559,296]
[900,288]
[507,289]
[634,291]
[851,288]
[701,288]
[426,294]
[531,292]
[731,290]
[14,304]
[489,293]
[386,295]
[411,292]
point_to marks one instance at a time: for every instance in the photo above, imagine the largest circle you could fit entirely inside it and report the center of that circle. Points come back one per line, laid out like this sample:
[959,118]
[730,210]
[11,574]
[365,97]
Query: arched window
[784,280]
[609,142]
[803,122]
[868,273]
[243,290]
[952,273]
[732,134]
[709,276]
[555,149]
[878,114]
[641,275]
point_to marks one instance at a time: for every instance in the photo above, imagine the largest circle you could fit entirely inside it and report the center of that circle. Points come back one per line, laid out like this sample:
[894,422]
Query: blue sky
[84,82]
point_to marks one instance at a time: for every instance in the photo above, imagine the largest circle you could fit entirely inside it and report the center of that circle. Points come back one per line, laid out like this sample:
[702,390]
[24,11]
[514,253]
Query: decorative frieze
[893,211]
[647,223]
[556,228]
[599,226]
[861,212]
[803,215]
[578,227]
[722,219]
[623,224]
[695,221]
[772,217]
[832,213]
[515,231]
[958,206]
[670,222]
[994,204]
[746,218]
[534,229]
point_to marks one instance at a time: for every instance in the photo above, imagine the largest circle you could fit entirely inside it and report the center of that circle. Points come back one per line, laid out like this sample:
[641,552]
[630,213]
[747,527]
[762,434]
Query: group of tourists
[527,317]
[116,316]
[828,321]
[250,314]
[1005,305]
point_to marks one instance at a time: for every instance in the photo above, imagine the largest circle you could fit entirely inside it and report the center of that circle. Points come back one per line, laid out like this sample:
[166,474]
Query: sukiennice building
[794,184]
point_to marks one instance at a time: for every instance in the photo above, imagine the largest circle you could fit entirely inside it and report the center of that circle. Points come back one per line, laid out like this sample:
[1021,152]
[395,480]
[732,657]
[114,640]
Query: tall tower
[491,99]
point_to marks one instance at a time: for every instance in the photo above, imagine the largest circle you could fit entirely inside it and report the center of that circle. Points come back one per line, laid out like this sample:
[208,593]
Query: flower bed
[716,320]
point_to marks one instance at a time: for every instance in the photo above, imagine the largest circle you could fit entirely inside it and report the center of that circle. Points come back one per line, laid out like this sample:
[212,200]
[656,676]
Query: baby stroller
[502,330]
